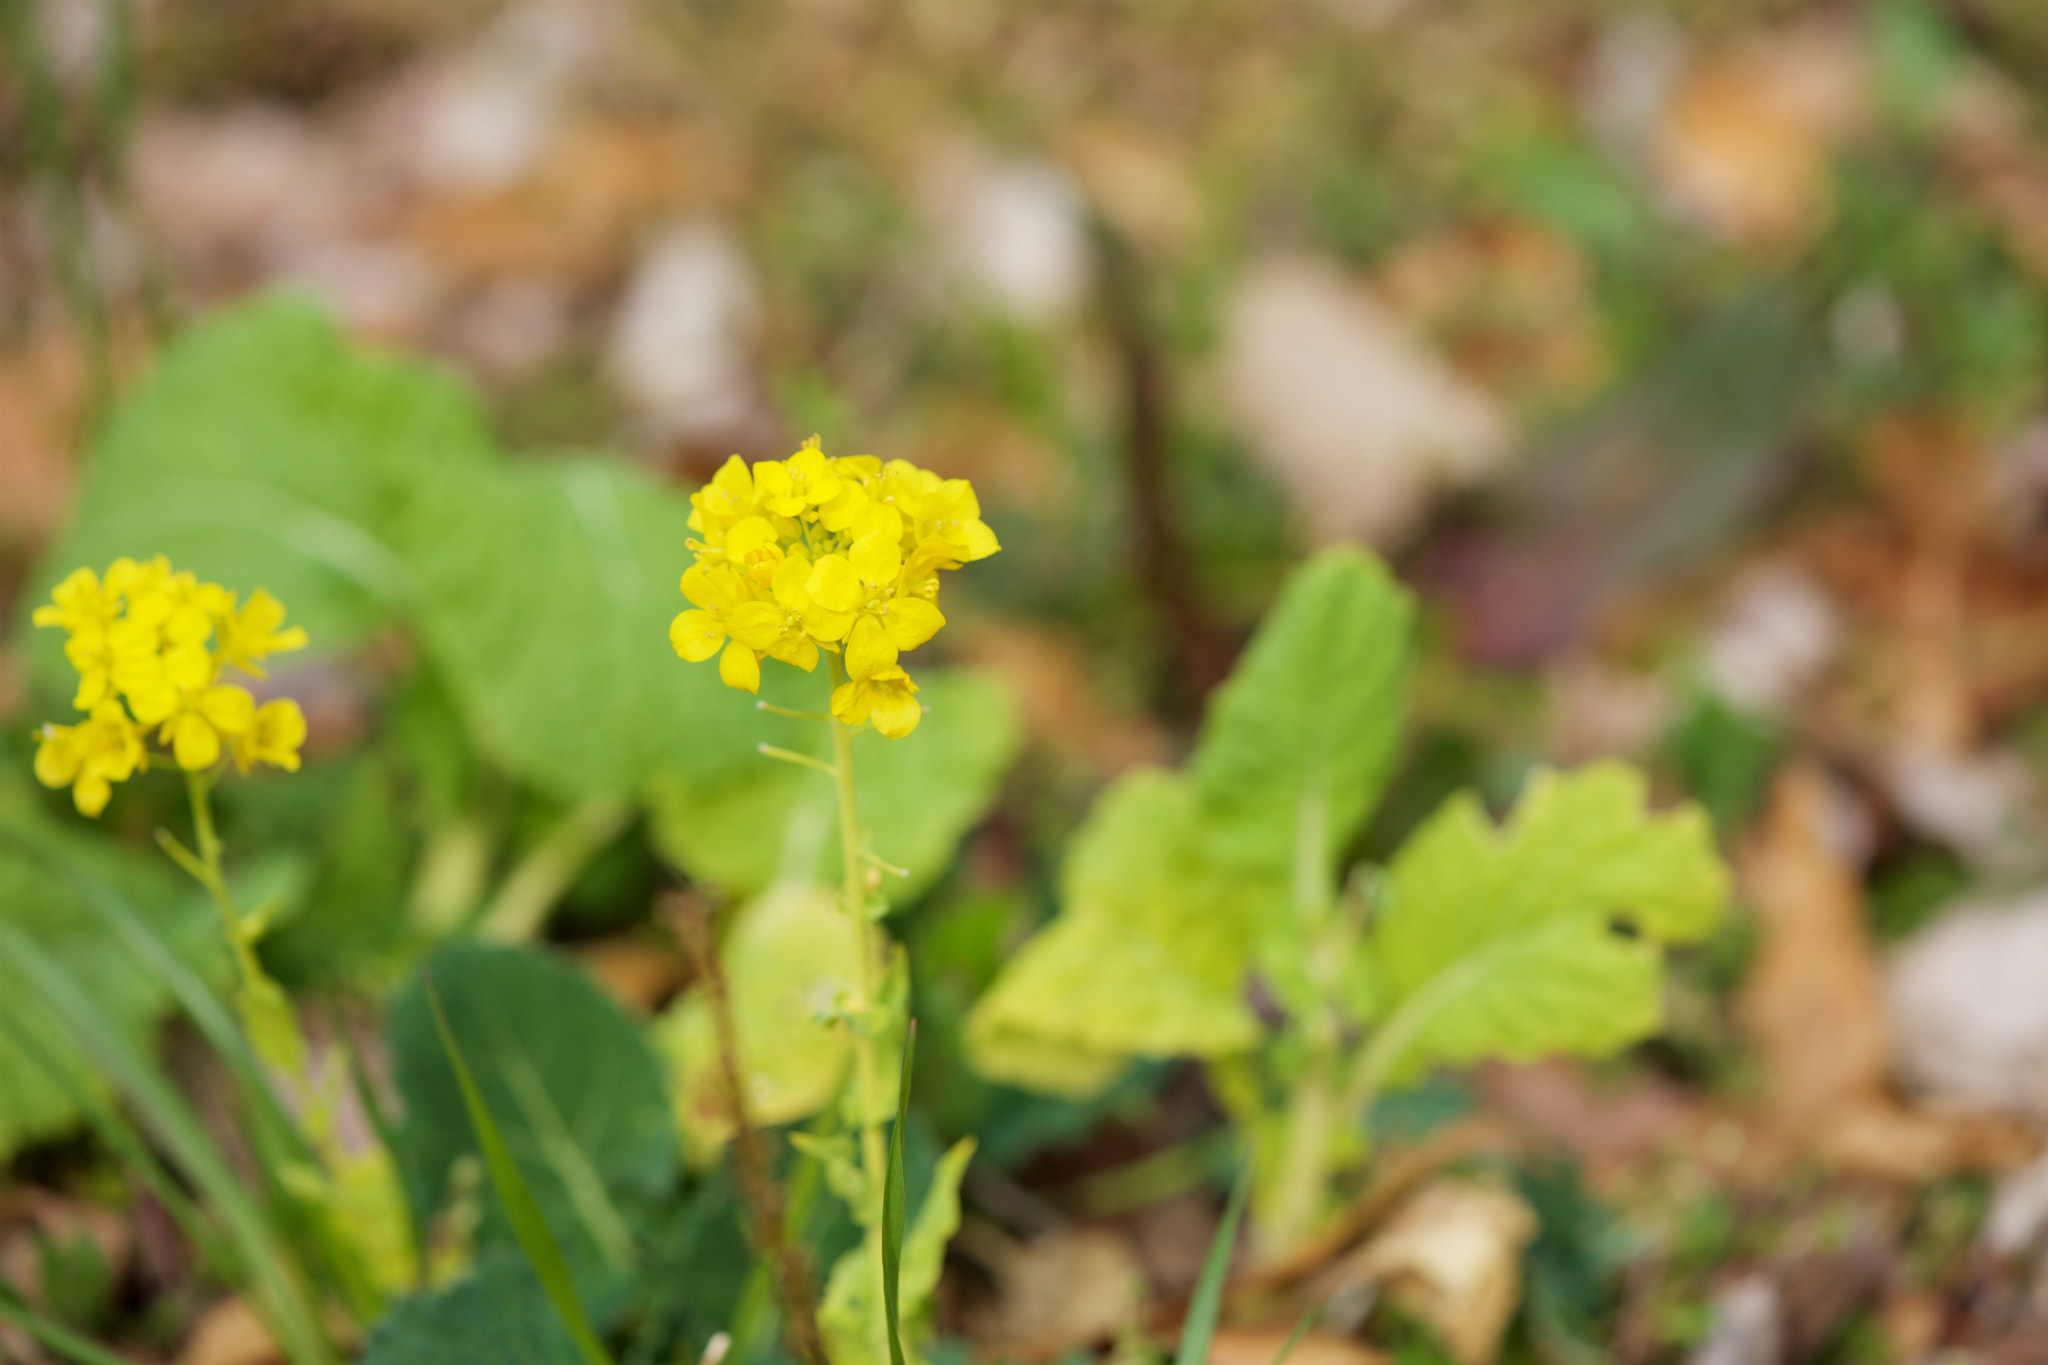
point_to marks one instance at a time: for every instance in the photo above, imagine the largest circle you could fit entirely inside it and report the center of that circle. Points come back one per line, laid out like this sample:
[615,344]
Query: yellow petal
[757,625]
[152,699]
[868,650]
[911,621]
[229,710]
[790,577]
[833,584]
[849,703]
[57,756]
[697,635]
[878,557]
[740,668]
[91,795]
[195,744]
[827,627]
[896,714]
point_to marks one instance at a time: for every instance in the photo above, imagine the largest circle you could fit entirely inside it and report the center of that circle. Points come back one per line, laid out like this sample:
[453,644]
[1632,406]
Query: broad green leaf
[852,1318]
[42,904]
[571,1083]
[265,451]
[1544,935]
[496,1316]
[1146,959]
[788,956]
[515,1198]
[918,796]
[1297,744]
[546,592]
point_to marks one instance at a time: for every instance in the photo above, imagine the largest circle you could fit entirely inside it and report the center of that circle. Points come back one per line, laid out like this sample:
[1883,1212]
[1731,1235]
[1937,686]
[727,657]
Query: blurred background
[1687,359]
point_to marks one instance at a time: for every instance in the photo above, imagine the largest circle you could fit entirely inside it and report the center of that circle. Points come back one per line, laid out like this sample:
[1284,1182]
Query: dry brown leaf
[1746,137]
[639,972]
[1064,711]
[1557,1100]
[1880,1139]
[42,393]
[1261,1346]
[1140,186]
[229,1333]
[1452,1256]
[1065,1288]
[1360,422]
[1813,997]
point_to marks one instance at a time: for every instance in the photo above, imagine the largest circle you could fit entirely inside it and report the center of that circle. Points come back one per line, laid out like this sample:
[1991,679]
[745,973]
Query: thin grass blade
[261,1255]
[1308,1320]
[1207,1306]
[893,1212]
[522,1211]
[60,1342]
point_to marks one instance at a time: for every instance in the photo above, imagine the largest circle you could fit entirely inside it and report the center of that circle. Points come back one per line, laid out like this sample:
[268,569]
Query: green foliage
[1544,936]
[40,901]
[266,451]
[788,956]
[545,593]
[758,823]
[1146,960]
[496,1316]
[852,1317]
[522,1213]
[1297,744]
[1206,1307]
[573,1087]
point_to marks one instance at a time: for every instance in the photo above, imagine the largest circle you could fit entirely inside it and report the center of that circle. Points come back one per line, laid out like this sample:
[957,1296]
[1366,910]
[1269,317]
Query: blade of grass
[522,1211]
[61,1342]
[893,1215]
[1308,1320]
[261,1255]
[1207,1306]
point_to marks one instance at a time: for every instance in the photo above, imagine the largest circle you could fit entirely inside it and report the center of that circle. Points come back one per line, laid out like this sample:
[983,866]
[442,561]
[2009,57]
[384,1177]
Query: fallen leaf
[1744,147]
[1452,1256]
[1969,1006]
[1360,423]
[1142,187]
[1065,1288]
[1261,1346]
[1064,709]
[639,972]
[1813,997]
[1011,232]
[229,1333]
[1557,1100]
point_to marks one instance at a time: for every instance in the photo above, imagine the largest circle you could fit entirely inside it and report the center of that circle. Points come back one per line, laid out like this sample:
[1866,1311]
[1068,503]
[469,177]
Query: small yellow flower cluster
[813,553]
[159,641]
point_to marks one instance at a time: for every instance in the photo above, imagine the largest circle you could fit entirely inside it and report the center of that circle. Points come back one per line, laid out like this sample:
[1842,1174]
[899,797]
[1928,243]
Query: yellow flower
[887,698]
[251,634]
[90,757]
[200,720]
[150,644]
[273,737]
[813,553]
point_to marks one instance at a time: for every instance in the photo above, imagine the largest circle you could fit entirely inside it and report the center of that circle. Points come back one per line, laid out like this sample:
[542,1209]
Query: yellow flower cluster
[813,553]
[150,646]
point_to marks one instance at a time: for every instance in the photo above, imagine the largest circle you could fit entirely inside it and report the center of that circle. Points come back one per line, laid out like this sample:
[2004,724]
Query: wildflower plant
[156,651]
[1544,935]
[841,558]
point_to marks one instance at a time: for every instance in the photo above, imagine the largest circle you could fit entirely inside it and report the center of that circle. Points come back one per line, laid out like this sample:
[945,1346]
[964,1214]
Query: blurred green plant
[1185,888]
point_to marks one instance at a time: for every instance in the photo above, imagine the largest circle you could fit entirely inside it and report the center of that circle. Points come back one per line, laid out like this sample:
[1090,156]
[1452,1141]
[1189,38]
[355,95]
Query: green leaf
[546,592]
[852,1316]
[918,796]
[522,1212]
[265,451]
[788,957]
[1199,1330]
[573,1086]
[53,911]
[1146,959]
[495,1316]
[1504,942]
[1297,744]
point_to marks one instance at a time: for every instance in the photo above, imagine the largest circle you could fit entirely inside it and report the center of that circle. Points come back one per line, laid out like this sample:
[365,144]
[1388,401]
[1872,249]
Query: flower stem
[868,1030]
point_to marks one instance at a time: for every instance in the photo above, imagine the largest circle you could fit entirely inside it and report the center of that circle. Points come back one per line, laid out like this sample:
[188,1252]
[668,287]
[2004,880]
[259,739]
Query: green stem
[867,1036]
[206,869]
